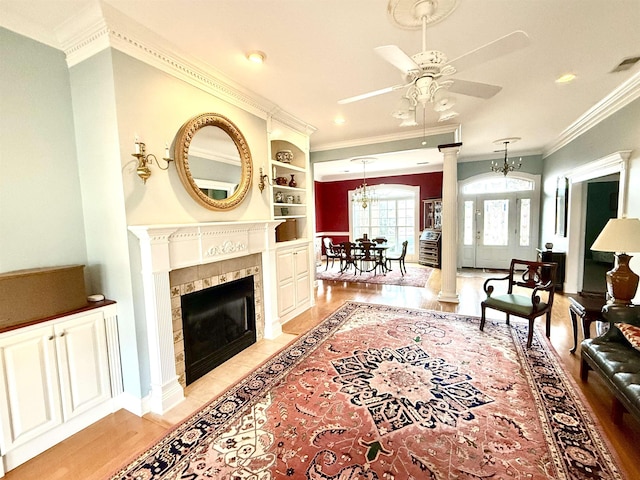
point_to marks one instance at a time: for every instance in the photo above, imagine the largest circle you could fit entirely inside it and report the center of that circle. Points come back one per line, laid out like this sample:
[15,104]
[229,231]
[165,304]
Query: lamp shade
[619,235]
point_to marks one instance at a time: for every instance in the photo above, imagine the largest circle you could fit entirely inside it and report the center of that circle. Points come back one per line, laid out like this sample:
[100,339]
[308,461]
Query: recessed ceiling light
[339,120]
[566,78]
[256,56]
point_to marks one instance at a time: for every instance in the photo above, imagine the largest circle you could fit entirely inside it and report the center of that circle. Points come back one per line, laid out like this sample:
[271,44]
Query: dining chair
[348,256]
[331,251]
[368,257]
[538,278]
[400,259]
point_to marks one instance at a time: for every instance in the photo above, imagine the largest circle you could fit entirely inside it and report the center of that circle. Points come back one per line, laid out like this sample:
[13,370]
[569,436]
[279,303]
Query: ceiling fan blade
[474,89]
[397,58]
[502,46]
[370,94]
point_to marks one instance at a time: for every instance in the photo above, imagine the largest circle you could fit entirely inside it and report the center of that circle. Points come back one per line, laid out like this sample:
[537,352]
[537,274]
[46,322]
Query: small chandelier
[364,194]
[506,167]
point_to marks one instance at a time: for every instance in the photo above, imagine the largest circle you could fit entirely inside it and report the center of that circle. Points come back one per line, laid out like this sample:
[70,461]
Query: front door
[496,228]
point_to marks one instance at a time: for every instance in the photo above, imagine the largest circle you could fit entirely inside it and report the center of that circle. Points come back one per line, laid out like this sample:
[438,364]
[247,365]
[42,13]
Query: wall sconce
[263,180]
[144,160]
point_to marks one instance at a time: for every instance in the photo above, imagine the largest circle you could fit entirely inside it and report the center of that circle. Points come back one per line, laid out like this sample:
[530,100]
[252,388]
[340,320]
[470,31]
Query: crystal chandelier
[364,194]
[506,167]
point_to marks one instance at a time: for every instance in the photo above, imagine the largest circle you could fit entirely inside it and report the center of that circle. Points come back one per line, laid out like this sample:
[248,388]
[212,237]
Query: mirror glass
[214,162]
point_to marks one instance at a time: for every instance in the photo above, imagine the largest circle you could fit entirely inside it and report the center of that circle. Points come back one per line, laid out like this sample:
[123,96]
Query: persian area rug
[416,276]
[379,392]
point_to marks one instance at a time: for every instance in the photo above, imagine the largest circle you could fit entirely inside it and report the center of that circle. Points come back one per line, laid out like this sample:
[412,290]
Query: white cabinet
[294,280]
[55,378]
[29,387]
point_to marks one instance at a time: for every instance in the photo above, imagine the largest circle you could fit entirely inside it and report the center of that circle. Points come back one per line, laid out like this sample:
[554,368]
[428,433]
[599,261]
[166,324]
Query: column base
[164,397]
[448,297]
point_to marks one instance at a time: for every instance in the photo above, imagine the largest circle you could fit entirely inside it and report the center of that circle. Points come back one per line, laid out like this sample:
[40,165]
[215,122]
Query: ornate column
[449,261]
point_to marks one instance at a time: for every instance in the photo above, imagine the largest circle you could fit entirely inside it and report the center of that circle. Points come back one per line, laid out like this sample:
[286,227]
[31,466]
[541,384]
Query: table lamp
[620,235]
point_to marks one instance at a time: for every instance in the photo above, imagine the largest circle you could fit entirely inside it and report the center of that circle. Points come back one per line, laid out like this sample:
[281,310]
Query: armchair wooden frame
[332,253]
[539,277]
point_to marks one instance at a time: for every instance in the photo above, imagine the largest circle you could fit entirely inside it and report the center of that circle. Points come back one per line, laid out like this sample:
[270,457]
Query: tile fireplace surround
[217,248]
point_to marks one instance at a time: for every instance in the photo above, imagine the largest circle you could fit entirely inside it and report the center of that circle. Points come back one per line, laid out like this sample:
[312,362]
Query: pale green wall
[117,98]
[60,207]
[530,164]
[384,147]
[154,105]
[619,131]
[94,108]
[41,221]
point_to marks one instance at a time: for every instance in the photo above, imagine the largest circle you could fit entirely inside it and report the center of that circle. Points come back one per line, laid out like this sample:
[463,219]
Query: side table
[589,309]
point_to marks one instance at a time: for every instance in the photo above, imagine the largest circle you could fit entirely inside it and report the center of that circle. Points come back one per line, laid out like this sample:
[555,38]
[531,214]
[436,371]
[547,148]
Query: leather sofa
[616,361]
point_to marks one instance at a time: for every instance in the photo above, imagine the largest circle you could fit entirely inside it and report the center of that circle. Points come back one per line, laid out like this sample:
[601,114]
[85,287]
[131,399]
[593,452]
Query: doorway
[601,205]
[498,220]
[614,164]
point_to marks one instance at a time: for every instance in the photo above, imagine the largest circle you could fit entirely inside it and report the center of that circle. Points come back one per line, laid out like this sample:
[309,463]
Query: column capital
[449,145]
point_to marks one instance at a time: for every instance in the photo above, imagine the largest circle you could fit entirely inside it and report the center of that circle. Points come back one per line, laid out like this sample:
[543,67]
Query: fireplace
[177,260]
[238,280]
[217,323]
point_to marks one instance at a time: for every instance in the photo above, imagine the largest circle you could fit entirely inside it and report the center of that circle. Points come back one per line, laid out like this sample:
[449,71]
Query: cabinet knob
[63,334]
[52,337]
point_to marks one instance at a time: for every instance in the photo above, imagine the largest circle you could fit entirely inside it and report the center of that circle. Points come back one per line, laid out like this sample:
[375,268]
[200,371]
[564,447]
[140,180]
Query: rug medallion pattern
[379,392]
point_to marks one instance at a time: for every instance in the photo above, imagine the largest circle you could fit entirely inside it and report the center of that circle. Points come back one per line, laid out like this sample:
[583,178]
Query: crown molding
[616,100]
[100,26]
[392,137]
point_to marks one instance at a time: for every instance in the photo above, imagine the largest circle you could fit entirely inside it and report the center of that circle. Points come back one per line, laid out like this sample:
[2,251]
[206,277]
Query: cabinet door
[29,388]
[83,363]
[285,267]
[303,289]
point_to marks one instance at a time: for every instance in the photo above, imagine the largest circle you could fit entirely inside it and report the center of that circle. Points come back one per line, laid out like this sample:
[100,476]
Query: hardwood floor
[104,447]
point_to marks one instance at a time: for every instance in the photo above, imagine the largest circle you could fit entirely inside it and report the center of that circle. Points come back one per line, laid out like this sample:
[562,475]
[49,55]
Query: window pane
[496,216]
[468,222]
[392,217]
[498,185]
[525,221]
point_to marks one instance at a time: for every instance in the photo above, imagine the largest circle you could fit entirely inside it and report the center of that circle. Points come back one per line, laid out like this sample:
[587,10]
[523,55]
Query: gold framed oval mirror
[213,161]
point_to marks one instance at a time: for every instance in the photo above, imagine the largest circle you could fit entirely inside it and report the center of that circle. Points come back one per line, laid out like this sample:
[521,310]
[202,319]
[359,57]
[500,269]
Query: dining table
[365,257]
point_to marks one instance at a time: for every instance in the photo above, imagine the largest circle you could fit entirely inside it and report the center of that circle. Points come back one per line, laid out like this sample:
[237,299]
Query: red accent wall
[332,209]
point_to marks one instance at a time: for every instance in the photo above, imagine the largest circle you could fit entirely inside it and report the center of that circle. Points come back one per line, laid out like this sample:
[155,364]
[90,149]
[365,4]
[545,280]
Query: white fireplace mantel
[168,247]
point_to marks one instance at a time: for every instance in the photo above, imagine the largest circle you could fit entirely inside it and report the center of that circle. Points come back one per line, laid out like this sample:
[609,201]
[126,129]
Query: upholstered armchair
[529,293]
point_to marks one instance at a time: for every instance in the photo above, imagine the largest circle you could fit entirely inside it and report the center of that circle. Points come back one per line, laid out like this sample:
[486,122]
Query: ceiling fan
[425,72]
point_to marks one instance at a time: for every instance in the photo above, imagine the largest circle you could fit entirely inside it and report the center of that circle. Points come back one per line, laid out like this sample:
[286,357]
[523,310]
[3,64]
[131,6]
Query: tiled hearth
[193,279]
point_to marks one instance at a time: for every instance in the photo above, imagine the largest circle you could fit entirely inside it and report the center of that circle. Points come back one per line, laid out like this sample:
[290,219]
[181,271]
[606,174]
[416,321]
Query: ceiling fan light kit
[423,72]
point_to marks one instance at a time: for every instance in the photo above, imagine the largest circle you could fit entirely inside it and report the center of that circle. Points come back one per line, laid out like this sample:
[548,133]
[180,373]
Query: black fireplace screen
[217,322]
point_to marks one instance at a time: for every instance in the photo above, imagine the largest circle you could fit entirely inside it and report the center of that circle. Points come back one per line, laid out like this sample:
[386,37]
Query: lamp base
[621,281]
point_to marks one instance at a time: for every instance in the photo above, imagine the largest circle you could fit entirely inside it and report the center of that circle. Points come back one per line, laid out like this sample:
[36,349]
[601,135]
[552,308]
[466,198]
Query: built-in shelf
[289,166]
